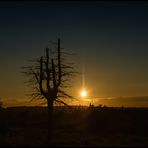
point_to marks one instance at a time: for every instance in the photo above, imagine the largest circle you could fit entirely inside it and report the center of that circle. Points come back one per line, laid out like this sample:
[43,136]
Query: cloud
[20,102]
[137,101]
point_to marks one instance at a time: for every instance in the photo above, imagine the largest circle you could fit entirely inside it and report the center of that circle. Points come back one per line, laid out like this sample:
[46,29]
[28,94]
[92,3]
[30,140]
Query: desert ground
[75,126]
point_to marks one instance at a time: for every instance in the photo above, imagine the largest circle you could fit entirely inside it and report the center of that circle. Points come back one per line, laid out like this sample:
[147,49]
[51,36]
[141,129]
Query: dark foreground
[77,126]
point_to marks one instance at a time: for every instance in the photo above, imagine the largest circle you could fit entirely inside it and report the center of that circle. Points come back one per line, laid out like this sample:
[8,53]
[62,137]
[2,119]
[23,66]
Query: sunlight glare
[83,93]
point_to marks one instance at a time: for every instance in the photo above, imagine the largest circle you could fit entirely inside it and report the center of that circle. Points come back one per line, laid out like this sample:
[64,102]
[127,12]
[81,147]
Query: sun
[83,93]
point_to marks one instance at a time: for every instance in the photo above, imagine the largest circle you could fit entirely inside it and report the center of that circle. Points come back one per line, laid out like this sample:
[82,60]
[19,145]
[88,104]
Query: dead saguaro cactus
[48,77]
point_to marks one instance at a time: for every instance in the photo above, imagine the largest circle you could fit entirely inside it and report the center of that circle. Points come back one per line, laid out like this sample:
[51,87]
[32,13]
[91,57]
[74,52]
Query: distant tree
[49,76]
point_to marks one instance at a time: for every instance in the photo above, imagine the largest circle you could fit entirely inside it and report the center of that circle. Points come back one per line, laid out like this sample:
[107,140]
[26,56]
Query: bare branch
[47,70]
[65,94]
[60,101]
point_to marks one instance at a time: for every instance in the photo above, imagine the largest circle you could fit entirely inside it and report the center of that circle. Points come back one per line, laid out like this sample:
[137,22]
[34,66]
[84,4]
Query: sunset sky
[110,40]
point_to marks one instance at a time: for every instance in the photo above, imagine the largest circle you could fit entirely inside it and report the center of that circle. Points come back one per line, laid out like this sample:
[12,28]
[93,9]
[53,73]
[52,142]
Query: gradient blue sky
[112,37]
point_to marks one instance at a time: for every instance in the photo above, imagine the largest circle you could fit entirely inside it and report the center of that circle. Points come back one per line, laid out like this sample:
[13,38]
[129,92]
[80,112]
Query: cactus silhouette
[48,79]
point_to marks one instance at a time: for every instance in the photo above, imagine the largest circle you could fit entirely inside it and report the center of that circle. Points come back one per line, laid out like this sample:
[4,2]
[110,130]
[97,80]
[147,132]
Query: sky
[110,40]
